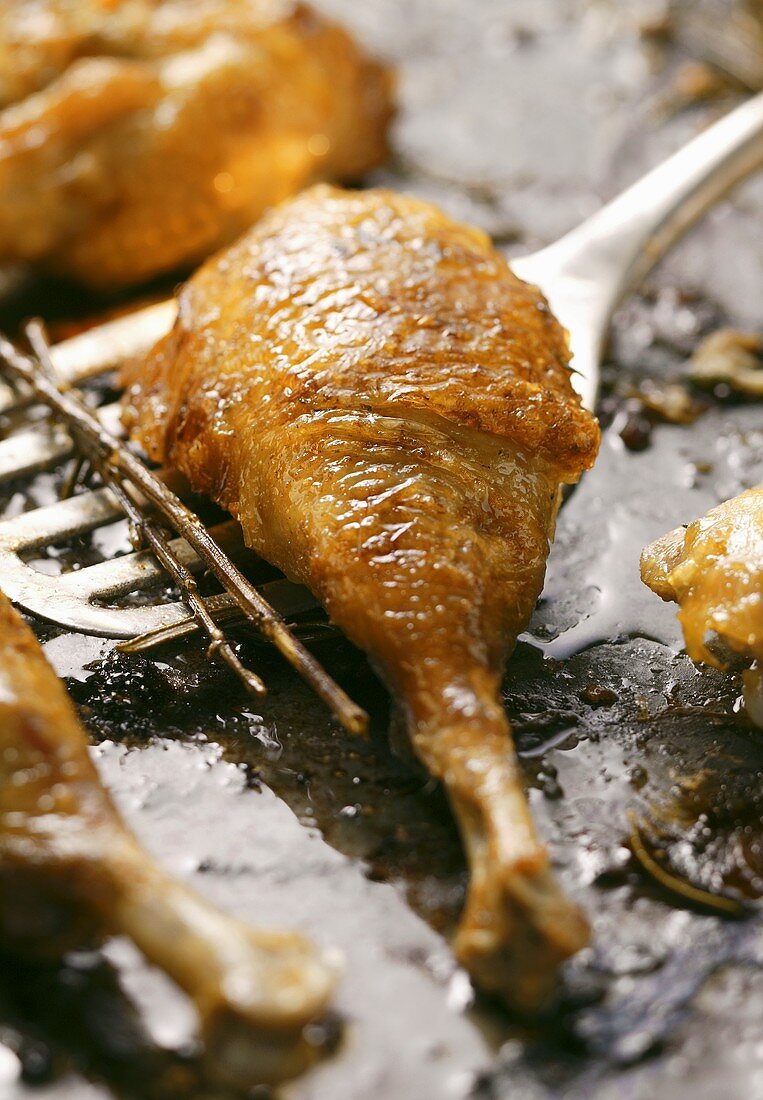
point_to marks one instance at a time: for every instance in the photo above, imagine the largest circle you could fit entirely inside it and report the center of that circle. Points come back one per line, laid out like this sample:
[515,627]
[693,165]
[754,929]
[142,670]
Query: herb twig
[121,467]
[683,889]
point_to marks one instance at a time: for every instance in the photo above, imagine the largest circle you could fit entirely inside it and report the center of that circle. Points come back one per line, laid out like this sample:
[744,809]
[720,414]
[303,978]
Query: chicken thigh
[136,136]
[388,412]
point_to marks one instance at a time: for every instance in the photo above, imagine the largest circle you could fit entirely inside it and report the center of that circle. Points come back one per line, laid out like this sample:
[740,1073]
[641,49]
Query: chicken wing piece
[713,569]
[70,870]
[137,136]
[388,411]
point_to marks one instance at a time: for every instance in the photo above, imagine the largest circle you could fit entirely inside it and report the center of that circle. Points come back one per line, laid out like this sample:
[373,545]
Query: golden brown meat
[69,869]
[388,411]
[714,570]
[139,135]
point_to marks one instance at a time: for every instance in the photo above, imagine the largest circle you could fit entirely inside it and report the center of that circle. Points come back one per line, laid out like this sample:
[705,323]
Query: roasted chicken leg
[388,411]
[137,136]
[70,870]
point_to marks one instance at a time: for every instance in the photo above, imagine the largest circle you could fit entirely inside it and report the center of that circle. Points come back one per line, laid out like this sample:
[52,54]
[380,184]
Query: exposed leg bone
[518,925]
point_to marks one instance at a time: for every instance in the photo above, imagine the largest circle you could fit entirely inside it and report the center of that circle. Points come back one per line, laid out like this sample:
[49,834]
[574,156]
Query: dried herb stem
[683,889]
[223,608]
[158,543]
[120,464]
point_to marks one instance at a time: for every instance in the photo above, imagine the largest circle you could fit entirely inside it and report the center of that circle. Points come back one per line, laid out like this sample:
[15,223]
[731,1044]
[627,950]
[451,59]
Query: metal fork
[586,273]
[584,276]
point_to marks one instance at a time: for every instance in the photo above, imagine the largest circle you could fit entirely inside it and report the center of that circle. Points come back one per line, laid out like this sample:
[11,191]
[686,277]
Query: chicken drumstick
[388,411]
[69,869]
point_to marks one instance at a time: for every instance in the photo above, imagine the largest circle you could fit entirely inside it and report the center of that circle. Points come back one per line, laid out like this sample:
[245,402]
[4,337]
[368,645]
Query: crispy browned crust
[139,135]
[369,300]
[714,570]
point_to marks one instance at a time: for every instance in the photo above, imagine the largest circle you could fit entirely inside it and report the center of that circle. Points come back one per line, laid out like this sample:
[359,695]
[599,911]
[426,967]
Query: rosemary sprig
[145,531]
[222,609]
[78,474]
[288,599]
[118,464]
[150,533]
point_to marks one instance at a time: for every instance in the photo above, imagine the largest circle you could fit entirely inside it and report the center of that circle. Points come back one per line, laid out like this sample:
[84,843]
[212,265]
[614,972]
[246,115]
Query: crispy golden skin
[714,570]
[388,411]
[137,136]
[69,869]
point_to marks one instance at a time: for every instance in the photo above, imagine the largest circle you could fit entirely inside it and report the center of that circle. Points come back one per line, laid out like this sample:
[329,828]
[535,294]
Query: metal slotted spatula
[584,275]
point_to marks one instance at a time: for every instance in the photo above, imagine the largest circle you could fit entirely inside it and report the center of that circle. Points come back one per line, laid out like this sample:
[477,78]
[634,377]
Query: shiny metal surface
[586,274]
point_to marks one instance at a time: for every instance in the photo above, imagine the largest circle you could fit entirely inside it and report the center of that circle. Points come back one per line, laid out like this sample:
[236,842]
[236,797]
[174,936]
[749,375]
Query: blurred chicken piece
[388,411]
[136,136]
[714,570]
[70,870]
